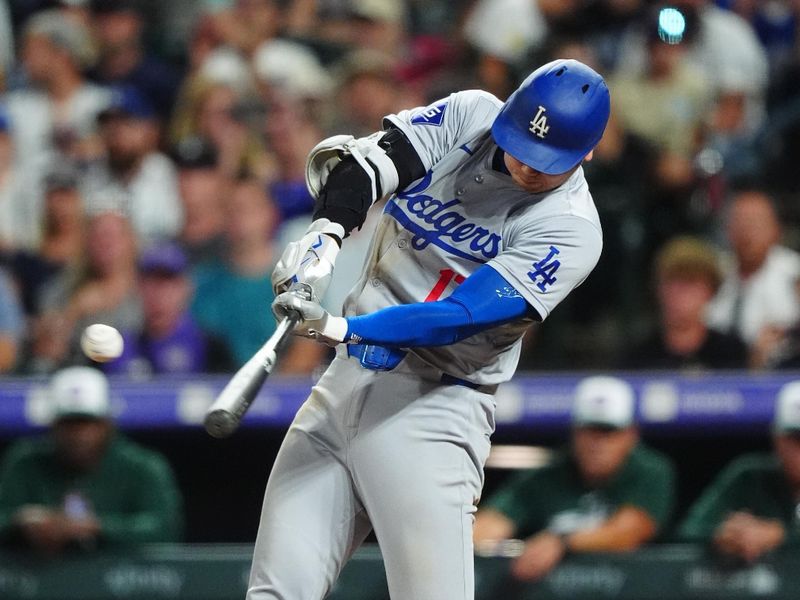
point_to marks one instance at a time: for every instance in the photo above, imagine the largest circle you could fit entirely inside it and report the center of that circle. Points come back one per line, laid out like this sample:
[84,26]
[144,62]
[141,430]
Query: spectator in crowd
[757,298]
[368,91]
[609,493]
[687,275]
[219,113]
[750,509]
[665,105]
[373,24]
[143,179]
[125,61]
[11,323]
[57,113]
[228,290]
[248,23]
[291,133]
[504,33]
[203,188]
[103,290]
[85,486]
[19,217]
[61,244]
[724,48]
[170,340]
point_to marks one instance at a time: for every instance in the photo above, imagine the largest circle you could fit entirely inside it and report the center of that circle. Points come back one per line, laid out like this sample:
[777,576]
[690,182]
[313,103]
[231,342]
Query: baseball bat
[224,416]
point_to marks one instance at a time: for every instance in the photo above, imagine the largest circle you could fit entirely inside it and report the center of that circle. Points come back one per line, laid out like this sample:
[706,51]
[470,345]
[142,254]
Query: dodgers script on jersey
[463,214]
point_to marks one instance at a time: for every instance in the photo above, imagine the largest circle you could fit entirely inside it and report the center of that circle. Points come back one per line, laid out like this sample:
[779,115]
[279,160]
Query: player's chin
[533,186]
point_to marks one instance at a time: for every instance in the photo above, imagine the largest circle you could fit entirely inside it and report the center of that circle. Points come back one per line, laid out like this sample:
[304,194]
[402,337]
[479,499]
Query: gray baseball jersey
[401,452]
[464,214]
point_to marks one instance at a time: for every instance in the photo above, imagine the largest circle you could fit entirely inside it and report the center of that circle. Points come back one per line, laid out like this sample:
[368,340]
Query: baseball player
[488,226]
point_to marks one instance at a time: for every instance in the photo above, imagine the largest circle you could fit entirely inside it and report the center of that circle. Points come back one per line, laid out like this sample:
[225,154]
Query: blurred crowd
[152,158]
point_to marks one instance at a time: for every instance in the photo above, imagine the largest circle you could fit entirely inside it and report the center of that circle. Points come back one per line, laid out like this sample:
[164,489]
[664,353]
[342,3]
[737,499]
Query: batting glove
[309,260]
[315,322]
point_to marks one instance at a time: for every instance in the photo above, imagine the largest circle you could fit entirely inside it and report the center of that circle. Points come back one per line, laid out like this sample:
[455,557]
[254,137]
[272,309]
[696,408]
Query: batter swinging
[489,226]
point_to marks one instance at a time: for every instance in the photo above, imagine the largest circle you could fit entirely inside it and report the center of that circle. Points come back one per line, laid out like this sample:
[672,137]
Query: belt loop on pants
[381,358]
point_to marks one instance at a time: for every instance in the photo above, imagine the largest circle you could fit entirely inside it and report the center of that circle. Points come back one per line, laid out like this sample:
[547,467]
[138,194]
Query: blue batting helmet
[555,117]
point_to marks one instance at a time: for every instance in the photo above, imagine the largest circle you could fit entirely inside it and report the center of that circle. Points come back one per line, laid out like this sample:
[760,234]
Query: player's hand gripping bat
[224,416]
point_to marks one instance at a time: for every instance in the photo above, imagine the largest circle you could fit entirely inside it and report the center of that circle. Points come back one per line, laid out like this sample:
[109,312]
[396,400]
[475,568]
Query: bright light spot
[671,25]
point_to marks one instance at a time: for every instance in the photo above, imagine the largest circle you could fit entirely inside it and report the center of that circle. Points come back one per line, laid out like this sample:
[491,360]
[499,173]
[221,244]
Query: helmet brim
[540,156]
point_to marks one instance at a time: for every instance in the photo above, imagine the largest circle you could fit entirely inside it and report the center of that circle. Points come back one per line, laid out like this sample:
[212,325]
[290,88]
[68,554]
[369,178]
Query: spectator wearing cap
[124,61]
[62,237]
[84,486]
[56,113]
[665,103]
[751,508]
[170,341]
[203,188]
[607,493]
[687,275]
[142,178]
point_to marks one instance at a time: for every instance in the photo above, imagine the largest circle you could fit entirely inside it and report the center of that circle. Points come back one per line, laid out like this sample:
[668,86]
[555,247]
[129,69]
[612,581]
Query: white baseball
[101,343]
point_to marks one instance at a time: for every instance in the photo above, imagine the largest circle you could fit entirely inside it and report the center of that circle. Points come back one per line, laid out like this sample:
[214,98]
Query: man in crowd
[84,486]
[757,298]
[687,277]
[170,340]
[142,178]
[608,493]
[751,508]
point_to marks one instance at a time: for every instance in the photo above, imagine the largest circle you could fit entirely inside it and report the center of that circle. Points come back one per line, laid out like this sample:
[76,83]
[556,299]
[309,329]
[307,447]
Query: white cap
[79,391]
[293,68]
[605,401]
[787,409]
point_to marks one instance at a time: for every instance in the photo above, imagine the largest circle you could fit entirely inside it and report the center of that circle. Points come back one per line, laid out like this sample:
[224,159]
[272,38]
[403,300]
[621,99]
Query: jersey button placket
[375,282]
[402,244]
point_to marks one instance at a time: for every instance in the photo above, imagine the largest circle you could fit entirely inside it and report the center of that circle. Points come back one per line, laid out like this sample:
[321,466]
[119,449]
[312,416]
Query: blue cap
[128,101]
[555,118]
[166,258]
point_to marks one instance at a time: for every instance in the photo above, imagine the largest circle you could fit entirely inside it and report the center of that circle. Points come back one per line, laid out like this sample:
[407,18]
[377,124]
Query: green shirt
[752,483]
[554,497]
[132,492]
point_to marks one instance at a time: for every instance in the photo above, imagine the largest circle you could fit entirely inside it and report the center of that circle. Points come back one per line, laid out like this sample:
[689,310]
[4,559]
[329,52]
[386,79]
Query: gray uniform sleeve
[446,124]
[545,260]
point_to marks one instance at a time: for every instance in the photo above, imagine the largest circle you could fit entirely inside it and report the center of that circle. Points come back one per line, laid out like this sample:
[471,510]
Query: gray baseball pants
[394,451]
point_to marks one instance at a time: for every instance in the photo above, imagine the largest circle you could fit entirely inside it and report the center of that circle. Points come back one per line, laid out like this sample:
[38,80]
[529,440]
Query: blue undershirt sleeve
[484,300]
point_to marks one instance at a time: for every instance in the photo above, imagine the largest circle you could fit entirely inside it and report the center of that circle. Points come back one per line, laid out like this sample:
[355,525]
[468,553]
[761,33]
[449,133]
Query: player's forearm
[475,306]
[413,325]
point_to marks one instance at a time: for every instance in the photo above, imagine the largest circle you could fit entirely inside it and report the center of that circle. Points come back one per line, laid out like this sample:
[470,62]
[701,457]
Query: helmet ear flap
[555,118]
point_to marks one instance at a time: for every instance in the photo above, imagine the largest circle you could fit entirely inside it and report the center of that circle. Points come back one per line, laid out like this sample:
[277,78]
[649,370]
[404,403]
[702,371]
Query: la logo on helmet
[539,124]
